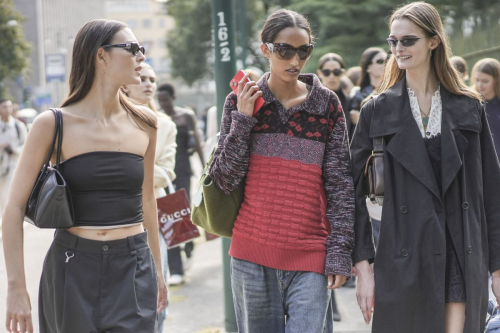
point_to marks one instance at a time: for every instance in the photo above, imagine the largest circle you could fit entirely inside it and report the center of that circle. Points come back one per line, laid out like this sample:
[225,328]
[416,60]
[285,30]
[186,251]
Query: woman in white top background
[164,154]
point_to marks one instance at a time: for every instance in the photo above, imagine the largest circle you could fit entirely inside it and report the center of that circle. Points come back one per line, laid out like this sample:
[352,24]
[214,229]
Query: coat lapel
[459,114]
[393,115]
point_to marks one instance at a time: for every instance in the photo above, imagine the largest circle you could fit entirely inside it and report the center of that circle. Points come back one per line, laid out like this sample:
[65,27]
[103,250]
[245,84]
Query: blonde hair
[427,18]
[488,66]
[149,104]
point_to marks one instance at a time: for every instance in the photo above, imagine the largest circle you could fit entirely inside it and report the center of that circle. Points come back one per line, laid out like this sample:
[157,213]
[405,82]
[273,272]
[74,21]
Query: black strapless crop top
[106,188]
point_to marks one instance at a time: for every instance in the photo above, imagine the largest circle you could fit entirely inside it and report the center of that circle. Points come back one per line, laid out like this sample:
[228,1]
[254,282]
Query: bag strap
[59,141]
[171,188]
[379,141]
[51,150]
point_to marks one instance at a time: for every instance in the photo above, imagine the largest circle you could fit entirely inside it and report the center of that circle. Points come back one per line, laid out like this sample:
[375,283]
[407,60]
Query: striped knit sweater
[298,209]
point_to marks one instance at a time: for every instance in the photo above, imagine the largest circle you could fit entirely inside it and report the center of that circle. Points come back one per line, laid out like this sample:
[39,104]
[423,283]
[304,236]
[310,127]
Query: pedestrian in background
[461,66]
[98,276]
[486,81]
[188,139]
[293,237]
[164,153]
[440,231]
[372,65]
[12,136]
[330,70]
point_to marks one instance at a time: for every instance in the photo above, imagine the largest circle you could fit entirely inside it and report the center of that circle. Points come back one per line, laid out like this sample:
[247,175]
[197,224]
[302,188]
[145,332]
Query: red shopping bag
[174,219]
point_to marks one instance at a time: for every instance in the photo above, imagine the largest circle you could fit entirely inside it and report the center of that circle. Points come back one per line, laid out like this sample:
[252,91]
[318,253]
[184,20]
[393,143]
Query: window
[161,22]
[147,23]
[132,24]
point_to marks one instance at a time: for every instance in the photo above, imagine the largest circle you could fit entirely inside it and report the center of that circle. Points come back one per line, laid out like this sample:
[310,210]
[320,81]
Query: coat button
[465,205]
[469,250]
[105,247]
[404,252]
[404,209]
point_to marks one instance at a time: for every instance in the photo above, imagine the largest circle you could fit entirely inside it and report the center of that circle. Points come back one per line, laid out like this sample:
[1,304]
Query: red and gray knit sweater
[298,209]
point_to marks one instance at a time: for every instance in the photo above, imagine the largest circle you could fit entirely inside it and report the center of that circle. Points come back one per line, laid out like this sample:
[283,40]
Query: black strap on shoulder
[379,141]
[56,131]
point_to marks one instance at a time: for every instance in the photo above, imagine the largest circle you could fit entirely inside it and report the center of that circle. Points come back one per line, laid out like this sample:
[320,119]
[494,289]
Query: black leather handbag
[374,170]
[49,204]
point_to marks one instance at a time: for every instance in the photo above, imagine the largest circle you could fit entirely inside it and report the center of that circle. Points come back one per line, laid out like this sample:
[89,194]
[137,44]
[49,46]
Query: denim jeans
[268,300]
[164,258]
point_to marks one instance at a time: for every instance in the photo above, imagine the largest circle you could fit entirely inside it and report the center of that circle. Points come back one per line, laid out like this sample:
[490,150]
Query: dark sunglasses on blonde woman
[134,48]
[286,51]
[336,72]
[405,42]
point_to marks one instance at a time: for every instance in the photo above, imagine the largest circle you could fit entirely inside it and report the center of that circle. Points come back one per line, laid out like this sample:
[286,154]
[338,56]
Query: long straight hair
[427,18]
[89,39]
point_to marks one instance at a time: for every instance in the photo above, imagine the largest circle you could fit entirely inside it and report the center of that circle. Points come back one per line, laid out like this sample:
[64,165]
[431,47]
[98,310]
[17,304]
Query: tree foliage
[189,44]
[343,27]
[14,50]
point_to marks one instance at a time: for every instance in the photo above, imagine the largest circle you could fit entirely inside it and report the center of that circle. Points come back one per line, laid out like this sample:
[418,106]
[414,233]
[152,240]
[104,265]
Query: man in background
[12,136]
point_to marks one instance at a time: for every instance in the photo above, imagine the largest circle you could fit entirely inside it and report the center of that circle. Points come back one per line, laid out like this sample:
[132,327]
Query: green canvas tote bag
[214,210]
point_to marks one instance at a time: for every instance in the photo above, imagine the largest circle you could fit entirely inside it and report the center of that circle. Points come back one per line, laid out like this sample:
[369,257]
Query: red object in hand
[259,102]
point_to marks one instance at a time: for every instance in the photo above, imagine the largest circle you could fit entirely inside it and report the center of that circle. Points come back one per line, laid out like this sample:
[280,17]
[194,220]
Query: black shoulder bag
[49,204]
[374,170]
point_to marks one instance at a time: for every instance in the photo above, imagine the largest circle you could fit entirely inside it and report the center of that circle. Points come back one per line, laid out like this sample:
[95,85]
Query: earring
[430,52]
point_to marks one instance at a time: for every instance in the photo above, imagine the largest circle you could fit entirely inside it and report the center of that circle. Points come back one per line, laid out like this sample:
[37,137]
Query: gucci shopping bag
[174,218]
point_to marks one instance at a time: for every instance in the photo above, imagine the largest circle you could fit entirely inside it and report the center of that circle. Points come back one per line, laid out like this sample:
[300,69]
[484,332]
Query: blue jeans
[164,258]
[268,300]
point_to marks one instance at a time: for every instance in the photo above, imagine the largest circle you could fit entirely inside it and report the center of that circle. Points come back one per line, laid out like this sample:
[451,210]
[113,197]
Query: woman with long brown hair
[440,230]
[98,275]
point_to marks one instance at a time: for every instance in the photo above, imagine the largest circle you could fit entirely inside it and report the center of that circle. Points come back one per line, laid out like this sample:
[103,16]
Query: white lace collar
[434,125]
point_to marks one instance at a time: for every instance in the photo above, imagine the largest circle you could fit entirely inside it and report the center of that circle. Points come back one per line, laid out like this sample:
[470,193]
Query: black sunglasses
[287,51]
[379,61]
[132,47]
[336,72]
[406,42]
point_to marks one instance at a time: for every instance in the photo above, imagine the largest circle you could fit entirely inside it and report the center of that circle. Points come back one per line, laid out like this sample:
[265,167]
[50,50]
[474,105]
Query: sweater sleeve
[230,162]
[165,152]
[339,191]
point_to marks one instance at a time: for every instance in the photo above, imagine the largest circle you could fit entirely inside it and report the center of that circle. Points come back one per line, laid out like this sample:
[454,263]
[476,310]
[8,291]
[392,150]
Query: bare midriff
[107,234]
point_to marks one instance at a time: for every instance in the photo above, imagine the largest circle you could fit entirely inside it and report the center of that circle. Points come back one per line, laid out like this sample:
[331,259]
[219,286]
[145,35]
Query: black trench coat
[410,260]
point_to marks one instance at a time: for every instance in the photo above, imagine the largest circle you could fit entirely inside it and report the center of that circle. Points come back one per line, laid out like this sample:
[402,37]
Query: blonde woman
[440,230]
[164,154]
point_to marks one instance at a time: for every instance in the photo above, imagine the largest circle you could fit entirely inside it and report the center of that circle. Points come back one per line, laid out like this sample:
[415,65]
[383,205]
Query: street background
[195,307]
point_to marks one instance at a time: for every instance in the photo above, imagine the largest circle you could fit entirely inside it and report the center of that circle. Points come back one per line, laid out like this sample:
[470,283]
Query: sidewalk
[197,306]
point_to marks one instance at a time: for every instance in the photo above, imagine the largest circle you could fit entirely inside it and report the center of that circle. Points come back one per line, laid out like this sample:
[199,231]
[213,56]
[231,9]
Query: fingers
[338,281]
[331,281]
[242,84]
[14,325]
[29,325]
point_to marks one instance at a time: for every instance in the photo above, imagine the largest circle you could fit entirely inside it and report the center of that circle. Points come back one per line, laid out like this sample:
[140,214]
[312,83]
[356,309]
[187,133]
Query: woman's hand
[354,114]
[18,311]
[365,289]
[162,294]
[336,281]
[247,95]
[495,286]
